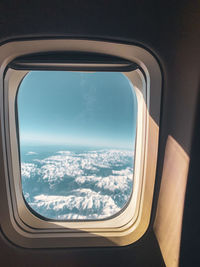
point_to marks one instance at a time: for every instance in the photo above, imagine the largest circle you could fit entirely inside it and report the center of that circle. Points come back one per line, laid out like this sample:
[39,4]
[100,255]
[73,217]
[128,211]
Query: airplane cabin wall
[168,29]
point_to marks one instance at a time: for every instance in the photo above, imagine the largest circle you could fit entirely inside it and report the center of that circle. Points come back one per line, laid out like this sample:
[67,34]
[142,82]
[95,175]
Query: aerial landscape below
[77,184]
[76,138]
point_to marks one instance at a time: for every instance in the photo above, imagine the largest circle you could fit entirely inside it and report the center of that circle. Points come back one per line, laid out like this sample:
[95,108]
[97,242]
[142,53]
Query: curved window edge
[27,230]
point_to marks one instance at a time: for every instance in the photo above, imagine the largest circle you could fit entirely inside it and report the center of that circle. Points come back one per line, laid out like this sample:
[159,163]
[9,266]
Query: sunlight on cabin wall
[168,221]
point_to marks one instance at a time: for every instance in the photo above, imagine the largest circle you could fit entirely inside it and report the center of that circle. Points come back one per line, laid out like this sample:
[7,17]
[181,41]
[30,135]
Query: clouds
[31,153]
[79,185]
[119,181]
[28,170]
[82,203]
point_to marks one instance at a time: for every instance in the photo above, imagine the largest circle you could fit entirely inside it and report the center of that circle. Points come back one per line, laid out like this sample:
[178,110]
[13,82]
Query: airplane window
[80,129]
[76,140]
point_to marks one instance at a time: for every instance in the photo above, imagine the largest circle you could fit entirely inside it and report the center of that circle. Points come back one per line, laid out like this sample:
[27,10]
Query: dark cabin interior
[170,30]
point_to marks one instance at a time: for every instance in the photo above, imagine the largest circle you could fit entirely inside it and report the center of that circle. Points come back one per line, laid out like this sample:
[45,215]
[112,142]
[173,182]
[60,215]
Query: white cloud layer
[31,153]
[90,202]
[93,194]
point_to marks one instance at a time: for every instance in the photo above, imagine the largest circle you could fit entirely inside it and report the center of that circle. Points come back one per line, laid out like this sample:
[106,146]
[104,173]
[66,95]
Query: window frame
[23,227]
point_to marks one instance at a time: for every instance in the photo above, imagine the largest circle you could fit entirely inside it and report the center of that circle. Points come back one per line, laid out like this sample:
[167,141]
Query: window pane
[77,136]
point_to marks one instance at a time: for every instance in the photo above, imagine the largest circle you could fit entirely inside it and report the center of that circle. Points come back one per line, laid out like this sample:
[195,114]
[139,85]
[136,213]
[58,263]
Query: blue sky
[77,108]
